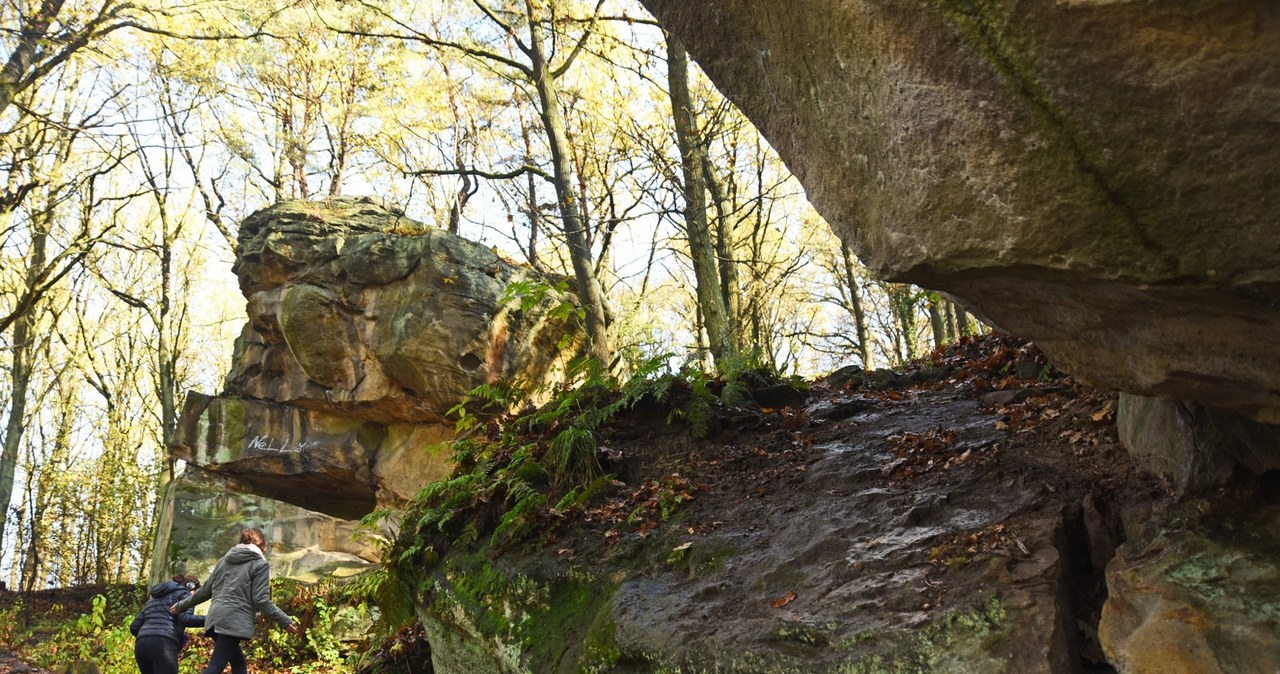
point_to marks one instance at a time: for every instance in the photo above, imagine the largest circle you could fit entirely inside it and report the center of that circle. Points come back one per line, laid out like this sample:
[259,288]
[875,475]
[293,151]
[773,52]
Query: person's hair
[253,535]
[179,578]
[191,582]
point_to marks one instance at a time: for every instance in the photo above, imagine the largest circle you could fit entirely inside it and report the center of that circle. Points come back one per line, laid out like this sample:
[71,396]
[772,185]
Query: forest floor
[917,486]
[1031,424]
[11,664]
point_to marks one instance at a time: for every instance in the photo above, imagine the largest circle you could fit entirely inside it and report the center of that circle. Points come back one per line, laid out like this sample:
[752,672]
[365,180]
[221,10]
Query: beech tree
[702,249]
[530,31]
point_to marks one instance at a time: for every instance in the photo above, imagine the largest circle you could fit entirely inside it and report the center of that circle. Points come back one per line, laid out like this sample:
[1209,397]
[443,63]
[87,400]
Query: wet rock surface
[908,528]
[861,558]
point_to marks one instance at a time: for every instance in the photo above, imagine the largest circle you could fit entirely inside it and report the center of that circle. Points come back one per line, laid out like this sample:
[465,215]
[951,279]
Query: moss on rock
[482,617]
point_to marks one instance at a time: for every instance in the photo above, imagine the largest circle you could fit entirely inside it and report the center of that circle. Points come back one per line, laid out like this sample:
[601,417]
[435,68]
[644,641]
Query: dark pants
[156,655]
[226,650]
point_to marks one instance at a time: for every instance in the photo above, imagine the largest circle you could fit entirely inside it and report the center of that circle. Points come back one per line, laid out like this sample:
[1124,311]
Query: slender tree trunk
[963,327]
[937,322]
[949,319]
[730,286]
[465,190]
[589,292]
[701,251]
[532,187]
[343,146]
[856,308]
[904,316]
[23,355]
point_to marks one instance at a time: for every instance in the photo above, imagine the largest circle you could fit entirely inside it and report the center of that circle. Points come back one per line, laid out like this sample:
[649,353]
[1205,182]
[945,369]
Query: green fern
[581,495]
[735,393]
[514,470]
[515,522]
[575,455]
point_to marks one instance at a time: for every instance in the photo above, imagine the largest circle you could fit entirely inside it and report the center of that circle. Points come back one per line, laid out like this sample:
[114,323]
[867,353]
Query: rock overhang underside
[1100,176]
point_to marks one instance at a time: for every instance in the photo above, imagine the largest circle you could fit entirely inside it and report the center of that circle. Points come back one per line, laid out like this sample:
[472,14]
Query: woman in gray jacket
[240,586]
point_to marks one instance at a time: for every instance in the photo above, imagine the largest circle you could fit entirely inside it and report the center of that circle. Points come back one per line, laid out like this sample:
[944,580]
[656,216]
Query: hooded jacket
[240,586]
[154,620]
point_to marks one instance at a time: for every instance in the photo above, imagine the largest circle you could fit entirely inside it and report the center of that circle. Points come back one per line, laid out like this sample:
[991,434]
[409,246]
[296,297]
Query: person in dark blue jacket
[160,635]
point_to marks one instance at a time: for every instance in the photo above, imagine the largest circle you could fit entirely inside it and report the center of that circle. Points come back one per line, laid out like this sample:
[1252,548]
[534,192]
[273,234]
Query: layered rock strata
[365,328]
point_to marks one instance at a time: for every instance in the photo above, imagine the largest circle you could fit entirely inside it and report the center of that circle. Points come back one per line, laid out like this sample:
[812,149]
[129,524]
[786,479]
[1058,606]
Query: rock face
[1201,597]
[1195,448]
[852,562]
[204,513]
[360,312]
[1101,176]
[343,466]
[365,328]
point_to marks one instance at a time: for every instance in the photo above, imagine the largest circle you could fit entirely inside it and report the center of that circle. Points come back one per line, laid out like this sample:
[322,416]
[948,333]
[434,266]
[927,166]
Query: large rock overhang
[1102,176]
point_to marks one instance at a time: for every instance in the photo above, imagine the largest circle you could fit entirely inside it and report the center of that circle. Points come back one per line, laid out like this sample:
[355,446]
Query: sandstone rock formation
[846,565]
[360,312]
[1100,176]
[1194,447]
[204,513]
[365,328]
[1201,596]
[343,466]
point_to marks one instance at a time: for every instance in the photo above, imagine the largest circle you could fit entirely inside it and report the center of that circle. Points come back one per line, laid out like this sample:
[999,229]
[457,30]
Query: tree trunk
[23,355]
[900,298]
[532,187]
[963,327]
[937,322]
[588,287]
[702,254]
[730,286]
[22,60]
[856,308]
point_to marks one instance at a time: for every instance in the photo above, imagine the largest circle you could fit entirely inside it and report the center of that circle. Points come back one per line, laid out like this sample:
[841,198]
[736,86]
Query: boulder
[1193,447]
[1202,596]
[204,512]
[343,466]
[357,311]
[364,329]
[1100,176]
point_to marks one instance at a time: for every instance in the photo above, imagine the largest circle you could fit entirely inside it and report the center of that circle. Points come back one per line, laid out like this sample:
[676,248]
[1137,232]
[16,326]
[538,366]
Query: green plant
[1046,374]
[531,293]
[9,621]
[517,469]
[94,637]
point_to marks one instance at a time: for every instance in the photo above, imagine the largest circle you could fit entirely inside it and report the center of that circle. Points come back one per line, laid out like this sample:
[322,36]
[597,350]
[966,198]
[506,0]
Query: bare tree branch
[477,173]
[582,41]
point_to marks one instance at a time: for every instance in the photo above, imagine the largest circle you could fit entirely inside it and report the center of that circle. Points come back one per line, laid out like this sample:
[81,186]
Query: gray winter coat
[154,619]
[240,586]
